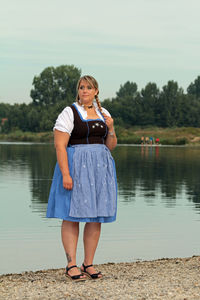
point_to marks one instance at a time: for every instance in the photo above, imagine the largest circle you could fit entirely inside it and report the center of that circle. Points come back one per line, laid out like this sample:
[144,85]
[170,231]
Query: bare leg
[70,233]
[90,238]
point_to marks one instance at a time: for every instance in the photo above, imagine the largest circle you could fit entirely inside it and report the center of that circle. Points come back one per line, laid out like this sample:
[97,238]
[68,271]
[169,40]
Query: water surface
[158,207]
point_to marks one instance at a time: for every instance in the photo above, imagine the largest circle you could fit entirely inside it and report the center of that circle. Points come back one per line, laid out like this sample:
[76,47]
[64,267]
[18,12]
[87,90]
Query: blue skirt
[93,197]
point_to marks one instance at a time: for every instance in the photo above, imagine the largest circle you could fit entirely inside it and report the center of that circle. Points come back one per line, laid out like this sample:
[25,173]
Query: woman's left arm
[111,140]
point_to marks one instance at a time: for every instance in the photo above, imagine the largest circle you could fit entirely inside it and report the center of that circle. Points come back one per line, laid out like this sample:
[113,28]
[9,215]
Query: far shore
[133,135]
[164,279]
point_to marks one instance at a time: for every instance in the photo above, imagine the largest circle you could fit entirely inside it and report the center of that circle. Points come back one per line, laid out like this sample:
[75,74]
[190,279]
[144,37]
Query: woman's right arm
[61,140]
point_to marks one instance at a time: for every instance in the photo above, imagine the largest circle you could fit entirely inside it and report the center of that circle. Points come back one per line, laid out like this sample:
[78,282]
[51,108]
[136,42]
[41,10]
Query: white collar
[83,112]
[80,107]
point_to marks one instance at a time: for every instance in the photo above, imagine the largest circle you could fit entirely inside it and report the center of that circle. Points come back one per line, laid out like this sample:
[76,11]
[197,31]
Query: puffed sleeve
[105,111]
[65,121]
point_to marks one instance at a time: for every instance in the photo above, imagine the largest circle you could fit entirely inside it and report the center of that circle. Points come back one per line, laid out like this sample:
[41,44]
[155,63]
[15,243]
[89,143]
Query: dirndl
[93,197]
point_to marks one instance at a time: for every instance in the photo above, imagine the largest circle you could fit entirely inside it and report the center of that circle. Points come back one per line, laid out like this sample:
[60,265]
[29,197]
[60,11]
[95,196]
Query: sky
[113,40]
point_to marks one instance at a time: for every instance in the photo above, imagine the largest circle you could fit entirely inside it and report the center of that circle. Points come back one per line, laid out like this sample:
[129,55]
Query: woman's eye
[83,87]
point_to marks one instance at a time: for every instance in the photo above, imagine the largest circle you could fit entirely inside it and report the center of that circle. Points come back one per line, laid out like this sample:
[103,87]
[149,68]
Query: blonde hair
[93,83]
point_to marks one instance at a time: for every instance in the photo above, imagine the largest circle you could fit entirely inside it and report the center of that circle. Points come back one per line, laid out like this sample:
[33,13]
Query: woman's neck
[87,106]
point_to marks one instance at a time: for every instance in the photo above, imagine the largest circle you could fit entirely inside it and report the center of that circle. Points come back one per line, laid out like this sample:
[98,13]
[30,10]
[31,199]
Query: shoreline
[132,135]
[166,279]
[196,145]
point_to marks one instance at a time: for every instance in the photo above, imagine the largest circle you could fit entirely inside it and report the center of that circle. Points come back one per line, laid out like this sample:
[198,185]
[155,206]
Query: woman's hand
[111,140]
[67,182]
[109,122]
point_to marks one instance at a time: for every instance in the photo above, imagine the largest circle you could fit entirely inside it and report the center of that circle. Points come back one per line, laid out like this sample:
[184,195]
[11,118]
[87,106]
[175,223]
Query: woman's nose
[85,89]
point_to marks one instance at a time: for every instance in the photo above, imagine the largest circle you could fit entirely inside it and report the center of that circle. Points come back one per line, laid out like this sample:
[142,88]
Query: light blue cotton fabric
[94,194]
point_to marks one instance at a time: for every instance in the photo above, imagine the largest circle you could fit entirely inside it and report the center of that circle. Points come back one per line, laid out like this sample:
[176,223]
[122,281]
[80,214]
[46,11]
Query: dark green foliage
[174,141]
[124,107]
[150,107]
[149,103]
[194,88]
[4,110]
[55,84]
[129,88]
[55,88]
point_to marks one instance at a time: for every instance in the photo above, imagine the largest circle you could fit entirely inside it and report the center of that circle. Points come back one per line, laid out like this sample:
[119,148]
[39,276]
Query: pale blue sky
[115,41]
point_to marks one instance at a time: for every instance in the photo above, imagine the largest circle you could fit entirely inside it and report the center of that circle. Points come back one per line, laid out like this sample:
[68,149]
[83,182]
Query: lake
[158,207]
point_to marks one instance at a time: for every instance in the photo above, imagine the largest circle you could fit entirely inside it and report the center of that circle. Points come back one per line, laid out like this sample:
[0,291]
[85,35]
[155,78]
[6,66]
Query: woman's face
[86,92]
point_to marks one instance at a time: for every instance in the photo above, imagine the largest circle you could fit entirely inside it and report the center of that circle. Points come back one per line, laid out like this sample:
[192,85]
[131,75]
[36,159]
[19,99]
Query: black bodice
[87,131]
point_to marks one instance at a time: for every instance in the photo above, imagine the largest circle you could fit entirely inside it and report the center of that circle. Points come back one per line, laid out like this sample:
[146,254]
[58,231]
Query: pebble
[164,279]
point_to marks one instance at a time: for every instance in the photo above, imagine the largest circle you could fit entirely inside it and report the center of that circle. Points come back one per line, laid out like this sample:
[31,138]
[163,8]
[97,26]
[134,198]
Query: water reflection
[40,160]
[158,189]
[147,171]
[153,170]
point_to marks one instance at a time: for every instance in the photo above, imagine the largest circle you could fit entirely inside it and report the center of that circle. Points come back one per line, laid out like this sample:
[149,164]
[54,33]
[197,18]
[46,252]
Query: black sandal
[91,276]
[74,277]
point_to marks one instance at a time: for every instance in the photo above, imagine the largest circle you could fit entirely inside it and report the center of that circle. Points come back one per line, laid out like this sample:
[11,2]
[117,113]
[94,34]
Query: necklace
[89,106]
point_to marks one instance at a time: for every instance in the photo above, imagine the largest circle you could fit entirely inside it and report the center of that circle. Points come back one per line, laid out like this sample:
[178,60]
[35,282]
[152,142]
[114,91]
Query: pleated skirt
[93,197]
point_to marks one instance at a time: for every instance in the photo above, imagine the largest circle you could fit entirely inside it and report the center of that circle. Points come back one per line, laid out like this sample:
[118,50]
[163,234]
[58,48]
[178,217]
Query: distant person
[146,140]
[151,140]
[157,141]
[142,140]
[84,186]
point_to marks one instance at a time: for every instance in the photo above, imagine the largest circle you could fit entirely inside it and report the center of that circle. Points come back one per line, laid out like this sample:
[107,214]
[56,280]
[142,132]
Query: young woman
[84,187]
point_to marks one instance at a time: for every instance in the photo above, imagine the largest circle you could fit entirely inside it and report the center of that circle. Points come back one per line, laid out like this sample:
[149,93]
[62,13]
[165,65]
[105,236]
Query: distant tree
[128,89]
[55,84]
[17,118]
[55,88]
[4,110]
[124,106]
[149,104]
[33,119]
[169,104]
[194,88]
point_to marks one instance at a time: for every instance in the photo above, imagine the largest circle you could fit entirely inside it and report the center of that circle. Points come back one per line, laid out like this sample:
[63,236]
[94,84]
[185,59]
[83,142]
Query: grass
[132,135]
[20,136]
[167,136]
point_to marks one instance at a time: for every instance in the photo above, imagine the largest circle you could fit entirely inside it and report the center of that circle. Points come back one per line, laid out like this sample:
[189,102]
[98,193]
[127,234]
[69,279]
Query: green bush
[129,140]
[182,141]
[174,141]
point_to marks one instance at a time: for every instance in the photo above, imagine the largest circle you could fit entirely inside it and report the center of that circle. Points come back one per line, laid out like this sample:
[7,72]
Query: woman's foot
[90,271]
[74,273]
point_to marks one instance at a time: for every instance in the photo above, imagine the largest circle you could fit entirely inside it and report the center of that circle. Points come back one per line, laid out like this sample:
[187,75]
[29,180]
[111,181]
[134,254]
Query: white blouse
[65,120]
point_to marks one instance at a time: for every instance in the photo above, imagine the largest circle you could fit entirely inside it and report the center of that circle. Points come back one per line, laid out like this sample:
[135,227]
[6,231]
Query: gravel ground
[177,278]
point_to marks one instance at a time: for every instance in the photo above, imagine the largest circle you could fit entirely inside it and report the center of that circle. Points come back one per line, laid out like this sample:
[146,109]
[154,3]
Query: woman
[84,187]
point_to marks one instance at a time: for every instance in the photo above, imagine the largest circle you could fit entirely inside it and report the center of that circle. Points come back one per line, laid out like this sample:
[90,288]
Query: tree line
[55,88]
